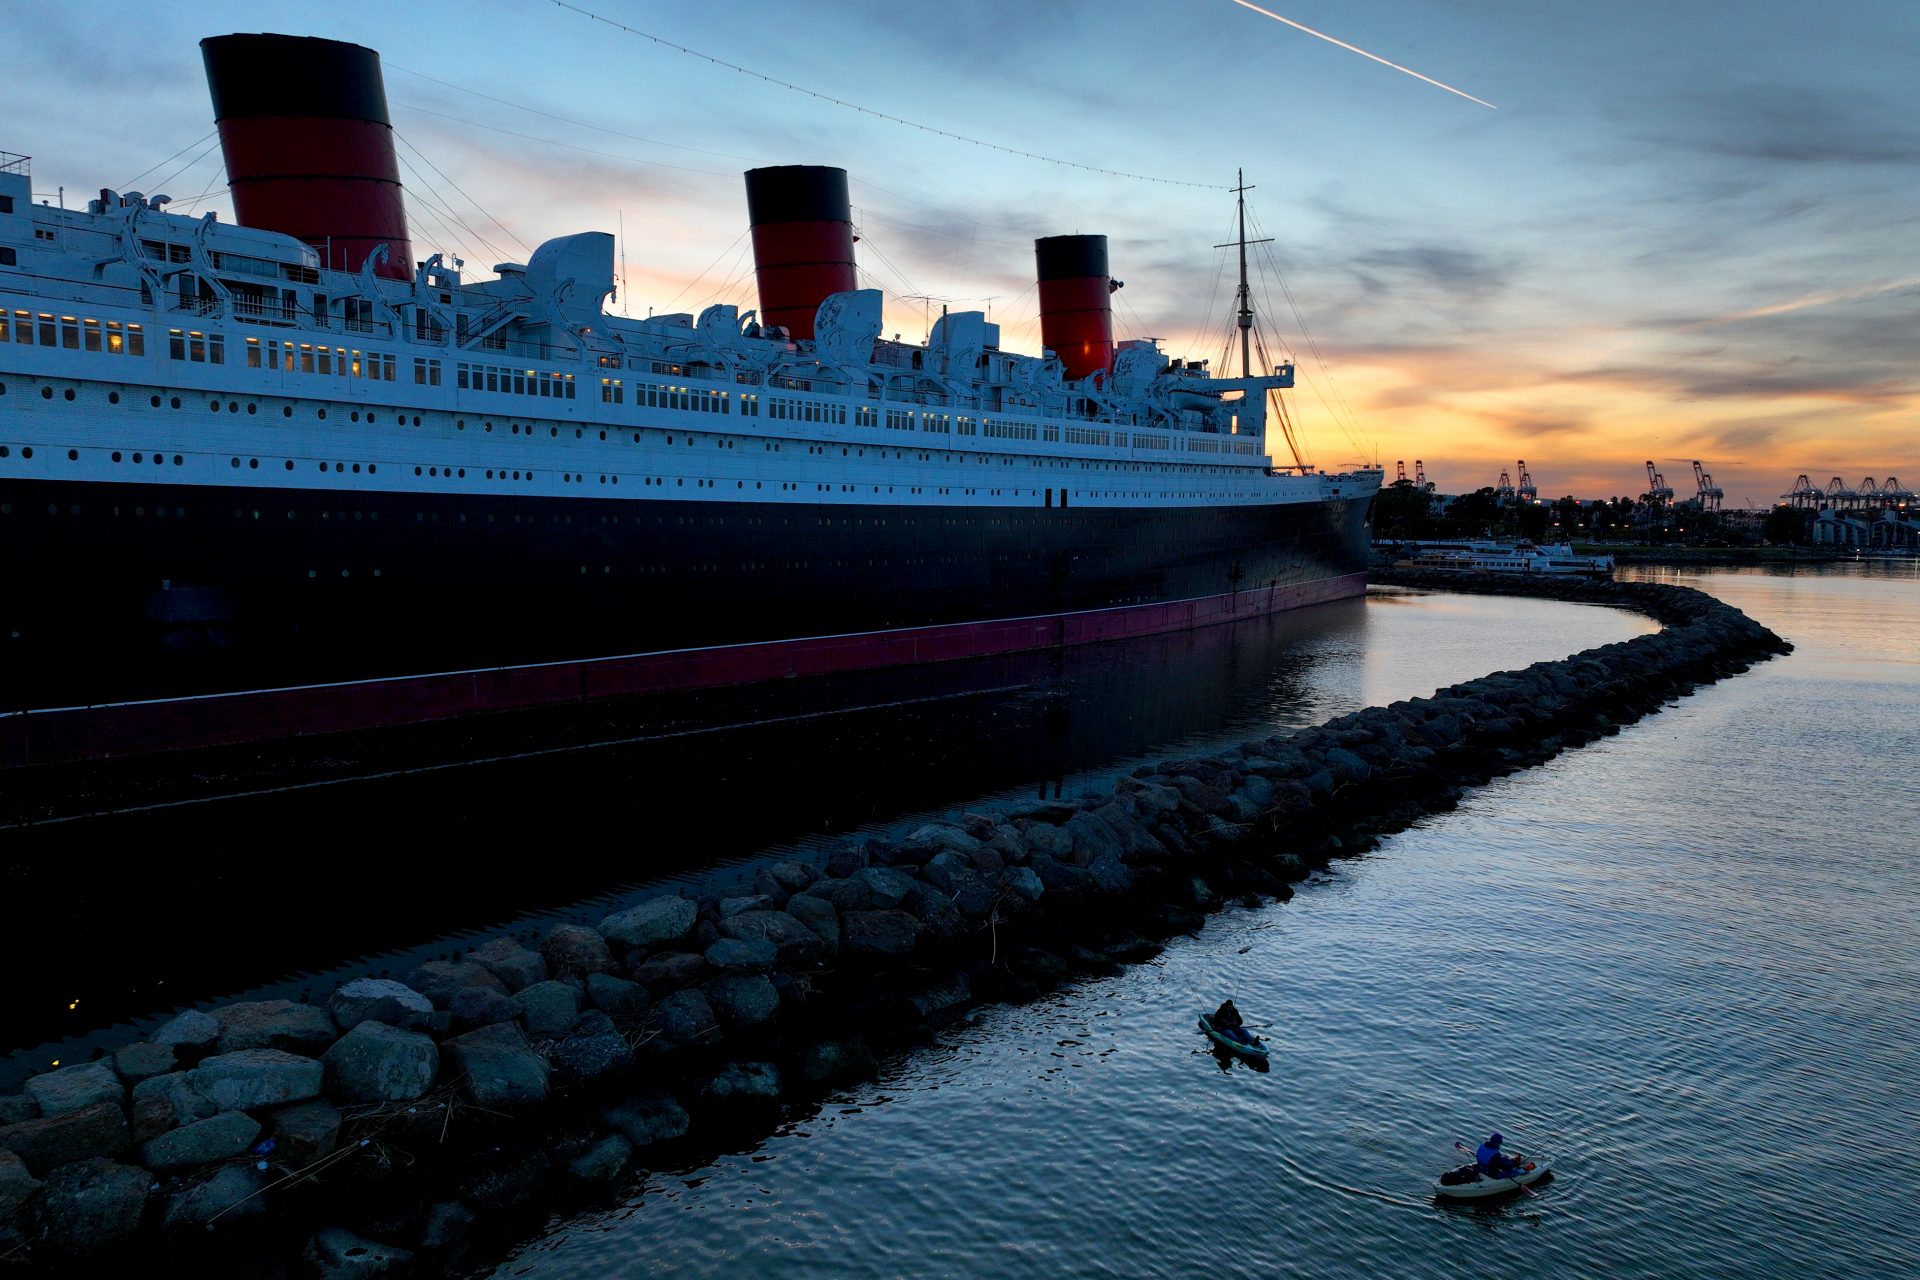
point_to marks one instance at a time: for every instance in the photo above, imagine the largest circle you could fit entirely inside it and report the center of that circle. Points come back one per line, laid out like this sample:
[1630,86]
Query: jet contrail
[1321,35]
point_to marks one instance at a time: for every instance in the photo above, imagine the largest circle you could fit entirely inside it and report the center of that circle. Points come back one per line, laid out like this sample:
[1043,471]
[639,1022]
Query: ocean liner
[280,477]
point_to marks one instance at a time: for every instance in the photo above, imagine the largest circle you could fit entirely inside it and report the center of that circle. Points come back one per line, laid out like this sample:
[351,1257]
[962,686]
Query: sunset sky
[1688,230]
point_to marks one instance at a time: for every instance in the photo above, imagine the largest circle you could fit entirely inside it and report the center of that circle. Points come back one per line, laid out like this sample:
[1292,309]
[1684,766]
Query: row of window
[75,333]
[308,357]
[516,382]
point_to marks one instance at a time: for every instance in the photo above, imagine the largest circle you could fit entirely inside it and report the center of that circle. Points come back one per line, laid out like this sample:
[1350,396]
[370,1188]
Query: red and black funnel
[309,148]
[1076,316]
[802,241]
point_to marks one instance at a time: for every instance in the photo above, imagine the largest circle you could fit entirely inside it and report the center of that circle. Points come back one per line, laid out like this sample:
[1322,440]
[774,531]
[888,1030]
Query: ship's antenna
[624,306]
[1245,320]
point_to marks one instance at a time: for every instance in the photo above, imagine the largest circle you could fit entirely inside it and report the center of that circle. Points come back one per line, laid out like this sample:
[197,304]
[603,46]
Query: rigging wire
[703,274]
[443,211]
[128,184]
[570,146]
[161,187]
[869,111]
[506,230]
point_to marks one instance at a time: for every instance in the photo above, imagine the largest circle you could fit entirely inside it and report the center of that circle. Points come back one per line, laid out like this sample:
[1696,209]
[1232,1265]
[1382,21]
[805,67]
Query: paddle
[1510,1178]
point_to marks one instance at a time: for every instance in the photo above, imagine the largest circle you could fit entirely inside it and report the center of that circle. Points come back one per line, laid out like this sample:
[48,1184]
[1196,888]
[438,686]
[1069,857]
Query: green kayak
[1231,1045]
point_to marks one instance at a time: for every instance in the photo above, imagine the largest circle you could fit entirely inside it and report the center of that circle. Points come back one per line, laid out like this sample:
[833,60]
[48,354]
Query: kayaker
[1493,1162]
[1227,1021]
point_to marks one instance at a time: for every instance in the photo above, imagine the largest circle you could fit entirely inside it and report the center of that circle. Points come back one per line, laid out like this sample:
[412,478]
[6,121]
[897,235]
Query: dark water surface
[1683,963]
[279,890]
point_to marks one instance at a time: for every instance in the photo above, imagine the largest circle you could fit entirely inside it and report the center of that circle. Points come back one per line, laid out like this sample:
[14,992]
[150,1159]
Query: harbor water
[1681,964]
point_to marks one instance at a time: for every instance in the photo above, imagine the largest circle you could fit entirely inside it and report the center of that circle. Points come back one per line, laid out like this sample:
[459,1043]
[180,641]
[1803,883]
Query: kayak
[1468,1183]
[1228,1043]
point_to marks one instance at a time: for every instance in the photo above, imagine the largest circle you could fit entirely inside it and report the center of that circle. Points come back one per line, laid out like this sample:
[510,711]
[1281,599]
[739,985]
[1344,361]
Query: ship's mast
[1246,295]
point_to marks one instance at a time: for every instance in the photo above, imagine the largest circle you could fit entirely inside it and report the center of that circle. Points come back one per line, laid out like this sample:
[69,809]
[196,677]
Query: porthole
[175,402]
[289,467]
[233,406]
[251,406]
[321,414]
[4,451]
[154,401]
[356,415]
[113,397]
[488,426]
[46,393]
[253,464]
[286,411]
[236,463]
[460,424]
[116,455]
[463,476]
[73,455]
[138,457]
[416,419]
[416,471]
[372,419]
[489,475]
[176,460]
[213,406]
[323,466]
[356,468]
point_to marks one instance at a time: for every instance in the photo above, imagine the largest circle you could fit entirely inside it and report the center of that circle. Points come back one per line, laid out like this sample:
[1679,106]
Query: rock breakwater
[405,1124]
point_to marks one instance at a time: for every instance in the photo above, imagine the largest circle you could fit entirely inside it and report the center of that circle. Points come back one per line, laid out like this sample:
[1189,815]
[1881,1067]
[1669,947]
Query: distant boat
[1503,557]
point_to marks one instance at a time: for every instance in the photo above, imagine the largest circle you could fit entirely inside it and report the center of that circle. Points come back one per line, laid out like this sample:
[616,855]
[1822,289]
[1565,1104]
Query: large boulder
[574,951]
[167,1102]
[257,1078]
[143,1060]
[669,971]
[1023,882]
[337,1254]
[16,1183]
[192,1032]
[744,1083]
[592,1049]
[274,1024]
[202,1142]
[379,1000]
[794,944]
[1110,875]
[15,1107]
[970,890]
[481,1007]
[842,894]
[375,1062]
[683,1019]
[71,1088]
[889,934]
[887,886]
[604,1161]
[616,996]
[791,876]
[742,955]
[499,1068]
[516,966]
[228,1194]
[92,1205]
[654,923]
[548,1008]
[818,915]
[304,1132]
[748,1000]
[648,1117]
[940,920]
[438,980]
[51,1141]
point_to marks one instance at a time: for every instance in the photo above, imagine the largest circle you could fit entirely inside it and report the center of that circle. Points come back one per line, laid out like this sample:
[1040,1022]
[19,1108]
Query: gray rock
[142,1061]
[950,992]
[305,1132]
[971,891]
[795,944]
[202,1142]
[379,1000]
[670,970]
[229,1194]
[742,955]
[375,1062]
[92,1205]
[548,1008]
[167,1102]
[939,836]
[1023,882]
[655,922]
[844,861]
[750,902]
[15,1107]
[499,1180]
[940,920]
[1060,878]
[835,1061]
[1044,837]
[71,1088]
[336,1254]
[481,1007]
[499,1068]
[744,1082]
[792,876]
[274,1024]
[889,887]
[573,951]
[890,934]
[1091,838]
[51,1141]
[818,915]
[604,1161]
[449,1223]
[648,1117]
[684,1018]
[516,966]
[616,996]
[745,1001]
[843,894]
[1110,875]
[190,1032]
[16,1184]
[592,1049]
[257,1078]
[438,980]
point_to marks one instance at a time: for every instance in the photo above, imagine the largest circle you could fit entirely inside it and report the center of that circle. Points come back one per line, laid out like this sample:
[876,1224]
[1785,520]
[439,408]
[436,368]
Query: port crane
[1658,492]
[1503,492]
[1420,476]
[1802,495]
[1710,493]
[1526,490]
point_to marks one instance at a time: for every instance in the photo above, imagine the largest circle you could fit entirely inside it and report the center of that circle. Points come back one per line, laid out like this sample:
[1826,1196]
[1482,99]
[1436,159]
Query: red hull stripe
[132,728]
